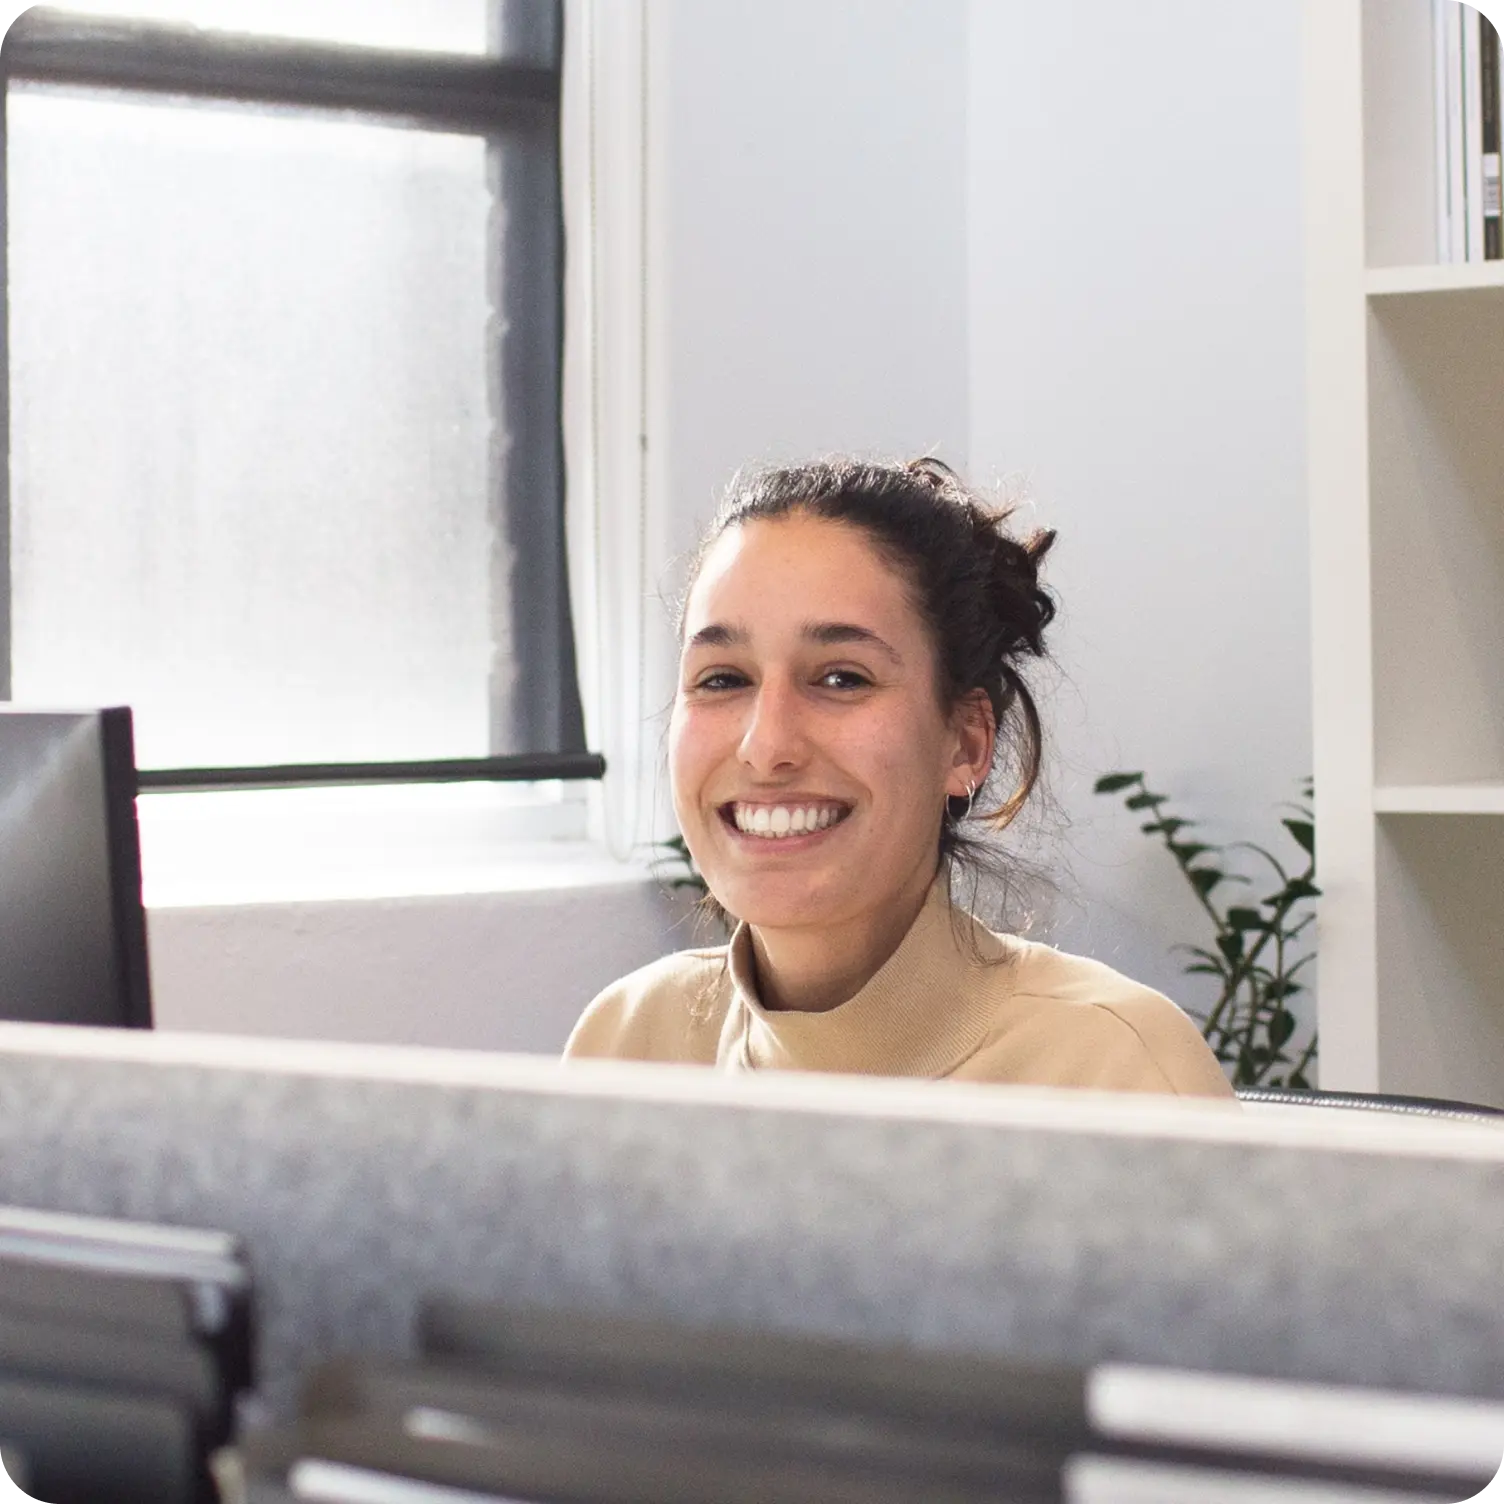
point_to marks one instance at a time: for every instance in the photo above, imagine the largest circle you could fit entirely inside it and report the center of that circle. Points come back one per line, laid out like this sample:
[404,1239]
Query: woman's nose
[774,738]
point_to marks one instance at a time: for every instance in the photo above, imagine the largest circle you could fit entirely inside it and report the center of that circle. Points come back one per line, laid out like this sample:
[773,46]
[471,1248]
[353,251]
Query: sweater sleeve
[1070,1021]
[654,1013]
[1162,1051]
[605,1029]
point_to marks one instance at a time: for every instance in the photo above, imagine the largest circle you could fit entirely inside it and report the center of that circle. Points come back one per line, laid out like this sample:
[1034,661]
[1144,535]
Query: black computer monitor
[72,926]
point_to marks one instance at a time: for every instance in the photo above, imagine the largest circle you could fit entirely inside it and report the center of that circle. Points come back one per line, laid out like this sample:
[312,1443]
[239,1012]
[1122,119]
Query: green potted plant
[1257,951]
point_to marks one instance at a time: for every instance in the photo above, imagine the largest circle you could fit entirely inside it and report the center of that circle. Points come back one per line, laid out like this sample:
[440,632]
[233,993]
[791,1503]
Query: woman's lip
[789,801]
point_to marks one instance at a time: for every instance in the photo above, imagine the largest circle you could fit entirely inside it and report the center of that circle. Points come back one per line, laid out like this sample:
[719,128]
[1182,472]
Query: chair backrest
[1423,1107]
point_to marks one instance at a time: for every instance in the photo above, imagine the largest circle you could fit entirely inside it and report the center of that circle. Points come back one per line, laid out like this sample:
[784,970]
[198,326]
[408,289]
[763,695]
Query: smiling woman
[849,688]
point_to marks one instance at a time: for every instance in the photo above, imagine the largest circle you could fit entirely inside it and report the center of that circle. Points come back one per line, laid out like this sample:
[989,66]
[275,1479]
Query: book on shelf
[1489,69]
[1472,129]
[1468,67]
[1451,192]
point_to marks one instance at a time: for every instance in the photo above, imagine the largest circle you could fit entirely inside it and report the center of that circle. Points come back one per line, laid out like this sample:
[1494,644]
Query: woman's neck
[814,970]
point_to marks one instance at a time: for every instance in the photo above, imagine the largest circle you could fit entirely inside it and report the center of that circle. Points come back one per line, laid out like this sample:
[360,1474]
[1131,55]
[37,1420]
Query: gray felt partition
[1051,1225]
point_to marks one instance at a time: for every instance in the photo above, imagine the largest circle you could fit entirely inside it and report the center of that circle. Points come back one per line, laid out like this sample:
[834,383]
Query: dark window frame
[480,95]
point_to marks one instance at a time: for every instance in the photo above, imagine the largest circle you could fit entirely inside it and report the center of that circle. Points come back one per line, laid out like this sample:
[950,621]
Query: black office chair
[1420,1107]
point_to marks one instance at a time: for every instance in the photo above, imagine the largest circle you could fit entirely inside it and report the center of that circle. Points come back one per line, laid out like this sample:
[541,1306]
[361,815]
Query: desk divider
[1045,1226]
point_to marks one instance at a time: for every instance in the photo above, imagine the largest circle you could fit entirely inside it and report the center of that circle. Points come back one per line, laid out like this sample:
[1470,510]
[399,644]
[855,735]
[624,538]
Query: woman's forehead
[795,569]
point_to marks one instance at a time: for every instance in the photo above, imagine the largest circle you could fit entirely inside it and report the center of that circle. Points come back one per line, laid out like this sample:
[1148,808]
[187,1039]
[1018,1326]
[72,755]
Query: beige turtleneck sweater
[954,1000]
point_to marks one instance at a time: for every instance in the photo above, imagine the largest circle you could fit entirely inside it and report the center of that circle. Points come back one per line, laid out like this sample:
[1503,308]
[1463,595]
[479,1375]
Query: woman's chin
[785,901]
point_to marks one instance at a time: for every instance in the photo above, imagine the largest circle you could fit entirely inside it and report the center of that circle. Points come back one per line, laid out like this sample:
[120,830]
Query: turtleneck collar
[917,1016]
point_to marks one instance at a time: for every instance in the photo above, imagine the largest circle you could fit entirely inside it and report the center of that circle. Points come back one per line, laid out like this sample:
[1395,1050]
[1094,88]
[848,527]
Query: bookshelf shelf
[1400,281]
[1405,384]
[1439,799]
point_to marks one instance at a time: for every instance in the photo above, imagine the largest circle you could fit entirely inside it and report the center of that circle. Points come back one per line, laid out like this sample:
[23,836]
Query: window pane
[419,25]
[251,432]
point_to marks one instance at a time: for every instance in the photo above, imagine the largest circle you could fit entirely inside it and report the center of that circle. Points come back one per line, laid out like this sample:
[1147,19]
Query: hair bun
[1023,605]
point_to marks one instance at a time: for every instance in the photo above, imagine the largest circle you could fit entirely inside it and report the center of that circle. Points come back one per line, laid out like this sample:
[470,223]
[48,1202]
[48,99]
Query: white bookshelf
[1406,449]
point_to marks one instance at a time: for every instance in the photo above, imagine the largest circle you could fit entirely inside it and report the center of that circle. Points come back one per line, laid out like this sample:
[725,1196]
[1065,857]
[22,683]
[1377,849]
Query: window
[284,341]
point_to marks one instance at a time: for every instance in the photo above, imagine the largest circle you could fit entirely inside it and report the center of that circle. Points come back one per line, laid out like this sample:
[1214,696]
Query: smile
[780,822]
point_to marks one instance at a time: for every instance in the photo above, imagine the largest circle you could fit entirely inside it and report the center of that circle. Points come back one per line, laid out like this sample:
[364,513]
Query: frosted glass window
[252,443]
[463,26]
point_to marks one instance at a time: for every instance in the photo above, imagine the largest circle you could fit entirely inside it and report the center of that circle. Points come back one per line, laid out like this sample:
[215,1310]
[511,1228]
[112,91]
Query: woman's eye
[844,678]
[721,679]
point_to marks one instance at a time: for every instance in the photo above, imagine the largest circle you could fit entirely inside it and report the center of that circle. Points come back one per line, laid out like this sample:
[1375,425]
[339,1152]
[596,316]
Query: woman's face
[809,754]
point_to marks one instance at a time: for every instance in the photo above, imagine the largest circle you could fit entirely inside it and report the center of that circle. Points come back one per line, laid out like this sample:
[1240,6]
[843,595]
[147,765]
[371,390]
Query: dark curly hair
[973,583]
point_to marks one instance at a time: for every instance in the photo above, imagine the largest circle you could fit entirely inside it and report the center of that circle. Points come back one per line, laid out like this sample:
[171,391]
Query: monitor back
[72,926]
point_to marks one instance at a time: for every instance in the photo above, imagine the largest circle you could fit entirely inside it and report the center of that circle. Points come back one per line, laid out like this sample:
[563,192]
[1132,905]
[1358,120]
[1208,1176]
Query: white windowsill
[342,845]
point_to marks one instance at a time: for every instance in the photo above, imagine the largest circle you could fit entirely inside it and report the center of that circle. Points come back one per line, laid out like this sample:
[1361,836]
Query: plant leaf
[1146,800]
[1166,827]
[1245,919]
[1304,833]
[1205,879]
[1281,1027]
[1230,944]
[1199,953]
[1112,782]
[1188,851]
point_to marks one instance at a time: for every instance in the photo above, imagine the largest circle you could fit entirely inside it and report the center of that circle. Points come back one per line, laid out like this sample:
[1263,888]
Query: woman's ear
[975,729]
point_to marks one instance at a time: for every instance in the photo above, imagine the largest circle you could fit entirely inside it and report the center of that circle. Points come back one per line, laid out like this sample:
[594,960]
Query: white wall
[493,971]
[810,197]
[1136,354]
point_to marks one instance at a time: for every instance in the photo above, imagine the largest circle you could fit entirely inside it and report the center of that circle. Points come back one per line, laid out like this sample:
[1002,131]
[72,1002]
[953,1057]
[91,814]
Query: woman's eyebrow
[719,635]
[833,633]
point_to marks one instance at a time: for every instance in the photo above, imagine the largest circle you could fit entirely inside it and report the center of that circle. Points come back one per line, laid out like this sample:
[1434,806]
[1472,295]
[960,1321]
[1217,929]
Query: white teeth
[776,821]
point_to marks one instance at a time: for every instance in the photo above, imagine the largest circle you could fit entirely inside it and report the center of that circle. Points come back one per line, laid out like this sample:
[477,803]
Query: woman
[849,686]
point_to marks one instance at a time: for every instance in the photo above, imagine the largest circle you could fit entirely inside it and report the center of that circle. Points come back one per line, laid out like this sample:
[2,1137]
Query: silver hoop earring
[971,798]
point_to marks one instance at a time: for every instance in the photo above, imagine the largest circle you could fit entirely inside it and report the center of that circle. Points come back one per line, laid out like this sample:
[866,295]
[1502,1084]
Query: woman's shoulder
[666,1010]
[1103,1028]
[1039,969]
